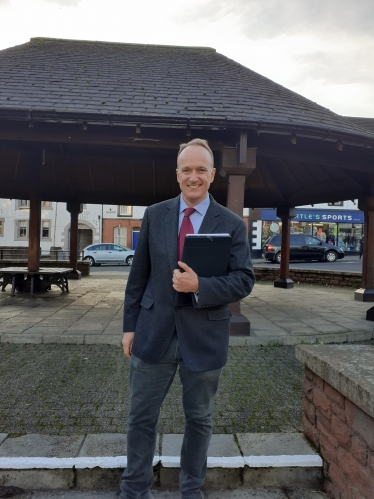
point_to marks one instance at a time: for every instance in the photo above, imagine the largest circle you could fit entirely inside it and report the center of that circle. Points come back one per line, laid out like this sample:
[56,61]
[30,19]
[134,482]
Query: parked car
[302,247]
[97,254]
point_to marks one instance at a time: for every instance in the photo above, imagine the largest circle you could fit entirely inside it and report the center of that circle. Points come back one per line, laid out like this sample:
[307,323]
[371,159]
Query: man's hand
[187,281]
[127,341]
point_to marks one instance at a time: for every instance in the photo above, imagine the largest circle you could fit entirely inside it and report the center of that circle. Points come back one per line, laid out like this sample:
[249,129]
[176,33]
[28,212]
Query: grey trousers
[149,384]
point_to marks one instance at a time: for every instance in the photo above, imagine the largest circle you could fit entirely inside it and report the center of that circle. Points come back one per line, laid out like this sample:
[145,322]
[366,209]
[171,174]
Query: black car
[302,247]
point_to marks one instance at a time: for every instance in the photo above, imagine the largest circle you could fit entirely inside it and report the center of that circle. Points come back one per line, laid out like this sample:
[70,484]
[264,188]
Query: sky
[321,49]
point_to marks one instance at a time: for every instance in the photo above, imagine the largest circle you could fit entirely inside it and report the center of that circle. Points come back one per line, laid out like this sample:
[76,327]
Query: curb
[234,341]
[54,462]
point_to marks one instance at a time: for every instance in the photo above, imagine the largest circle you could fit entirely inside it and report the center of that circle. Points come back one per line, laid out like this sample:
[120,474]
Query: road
[347,264]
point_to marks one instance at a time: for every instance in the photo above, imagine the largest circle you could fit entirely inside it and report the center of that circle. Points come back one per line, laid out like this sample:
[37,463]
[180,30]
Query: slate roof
[367,123]
[59,78]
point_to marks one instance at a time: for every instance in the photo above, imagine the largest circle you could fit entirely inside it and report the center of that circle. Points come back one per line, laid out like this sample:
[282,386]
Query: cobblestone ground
[70,389]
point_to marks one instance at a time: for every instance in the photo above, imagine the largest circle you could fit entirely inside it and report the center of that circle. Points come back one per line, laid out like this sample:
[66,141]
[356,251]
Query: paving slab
[104,444]
[35,445]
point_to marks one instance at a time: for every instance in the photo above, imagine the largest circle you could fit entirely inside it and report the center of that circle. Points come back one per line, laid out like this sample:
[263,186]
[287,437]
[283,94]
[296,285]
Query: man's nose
[193,176]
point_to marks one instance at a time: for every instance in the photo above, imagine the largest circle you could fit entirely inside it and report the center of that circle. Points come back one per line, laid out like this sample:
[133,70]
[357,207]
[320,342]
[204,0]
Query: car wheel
[330,256]
[277,258]
[129,260]
[91,260]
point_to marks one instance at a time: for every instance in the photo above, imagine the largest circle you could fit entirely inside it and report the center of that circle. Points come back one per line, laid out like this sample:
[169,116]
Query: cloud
[64,3]
[4,2]
[340,66]
[271,18]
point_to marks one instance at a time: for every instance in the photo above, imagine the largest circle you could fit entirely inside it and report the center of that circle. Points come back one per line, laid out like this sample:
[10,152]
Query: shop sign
[327,216]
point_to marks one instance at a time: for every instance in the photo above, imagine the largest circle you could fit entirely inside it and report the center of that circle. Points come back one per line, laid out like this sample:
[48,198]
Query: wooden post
[235,203]
[74,209]
[238,165]
[35,212]
[366,292]
[285,214]
[34,231]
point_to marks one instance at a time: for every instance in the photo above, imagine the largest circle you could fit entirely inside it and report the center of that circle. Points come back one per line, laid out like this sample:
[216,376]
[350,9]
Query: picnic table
[22,279]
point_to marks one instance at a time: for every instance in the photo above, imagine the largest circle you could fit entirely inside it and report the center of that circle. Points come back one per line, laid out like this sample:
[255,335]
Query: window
[312,241]
[46,226]
[22,229]
[124,211]
[337,203]
[22,203]
[1,228]
[47,205]
[296,239]
[120,235]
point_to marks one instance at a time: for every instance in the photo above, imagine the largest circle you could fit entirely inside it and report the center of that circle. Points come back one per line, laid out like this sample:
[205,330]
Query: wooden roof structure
[105,121]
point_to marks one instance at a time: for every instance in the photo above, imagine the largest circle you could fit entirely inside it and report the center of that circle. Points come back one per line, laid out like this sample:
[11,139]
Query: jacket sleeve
[239,280]
[138,278]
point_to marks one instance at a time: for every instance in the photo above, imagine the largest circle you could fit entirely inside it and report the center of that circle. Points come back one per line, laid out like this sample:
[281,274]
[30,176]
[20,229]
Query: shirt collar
[201,208]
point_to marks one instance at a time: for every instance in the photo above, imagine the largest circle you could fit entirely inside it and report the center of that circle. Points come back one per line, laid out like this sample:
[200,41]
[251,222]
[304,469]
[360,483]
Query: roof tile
[152,80]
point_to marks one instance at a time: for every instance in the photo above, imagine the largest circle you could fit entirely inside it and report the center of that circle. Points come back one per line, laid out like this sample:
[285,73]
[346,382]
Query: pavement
[92,314]
[261,390]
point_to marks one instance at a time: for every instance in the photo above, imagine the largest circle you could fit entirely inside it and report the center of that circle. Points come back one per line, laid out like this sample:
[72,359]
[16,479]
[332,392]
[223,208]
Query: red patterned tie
[186,228]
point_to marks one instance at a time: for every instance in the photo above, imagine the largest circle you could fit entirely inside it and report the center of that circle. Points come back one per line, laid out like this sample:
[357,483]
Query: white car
[110,253]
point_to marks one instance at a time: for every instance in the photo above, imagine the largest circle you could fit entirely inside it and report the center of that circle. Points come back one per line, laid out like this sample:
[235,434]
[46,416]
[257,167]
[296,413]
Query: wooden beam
[361,160]
[266,172]
[154,138]
[54,171]
[243,147]
[16,167]
[153,178]
[112,175]
[91,176]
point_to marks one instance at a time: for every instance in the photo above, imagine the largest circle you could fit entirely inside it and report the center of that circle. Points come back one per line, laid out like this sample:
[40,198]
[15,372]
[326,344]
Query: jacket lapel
[171,231]
[211,219]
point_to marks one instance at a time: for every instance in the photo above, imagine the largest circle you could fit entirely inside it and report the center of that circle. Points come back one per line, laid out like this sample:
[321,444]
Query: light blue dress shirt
[197,216]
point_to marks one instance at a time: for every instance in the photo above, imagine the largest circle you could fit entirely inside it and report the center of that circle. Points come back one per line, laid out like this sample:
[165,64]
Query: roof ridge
[95,42]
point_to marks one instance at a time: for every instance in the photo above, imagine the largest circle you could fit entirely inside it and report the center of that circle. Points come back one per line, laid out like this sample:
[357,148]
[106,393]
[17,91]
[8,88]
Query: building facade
[97,223]
[341,223]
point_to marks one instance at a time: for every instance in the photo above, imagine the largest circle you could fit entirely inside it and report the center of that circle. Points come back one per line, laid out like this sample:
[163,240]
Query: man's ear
[213,174]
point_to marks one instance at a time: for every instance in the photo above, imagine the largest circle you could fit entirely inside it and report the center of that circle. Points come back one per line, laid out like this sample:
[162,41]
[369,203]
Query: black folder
[207,254]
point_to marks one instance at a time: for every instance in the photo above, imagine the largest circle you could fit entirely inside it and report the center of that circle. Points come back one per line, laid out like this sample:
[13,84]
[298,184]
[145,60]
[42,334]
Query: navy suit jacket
[153,308]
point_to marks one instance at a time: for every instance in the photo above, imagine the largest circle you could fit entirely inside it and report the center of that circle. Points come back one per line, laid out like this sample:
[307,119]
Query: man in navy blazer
[175,319]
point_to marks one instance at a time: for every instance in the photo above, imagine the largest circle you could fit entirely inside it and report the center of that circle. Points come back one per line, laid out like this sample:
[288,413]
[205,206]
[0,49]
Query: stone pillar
[366,292]
[238,165]
[74,209]
[285,213]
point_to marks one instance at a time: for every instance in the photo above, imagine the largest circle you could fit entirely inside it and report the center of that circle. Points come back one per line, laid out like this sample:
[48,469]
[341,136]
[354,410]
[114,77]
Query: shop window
[46,229]
[124,211]
[1,228]
[22,203]
[22,229]
[337,203]
[47,205]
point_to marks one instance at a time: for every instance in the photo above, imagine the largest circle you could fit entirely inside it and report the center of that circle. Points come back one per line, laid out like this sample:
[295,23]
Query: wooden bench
[22,279]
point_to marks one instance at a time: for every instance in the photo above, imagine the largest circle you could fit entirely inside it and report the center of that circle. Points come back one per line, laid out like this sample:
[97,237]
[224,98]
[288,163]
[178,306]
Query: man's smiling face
[195,174]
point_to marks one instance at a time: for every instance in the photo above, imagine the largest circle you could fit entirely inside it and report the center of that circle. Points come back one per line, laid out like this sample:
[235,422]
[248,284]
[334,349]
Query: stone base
[363,294]
[239,325]
[284,283]
[75,274]
[370,314]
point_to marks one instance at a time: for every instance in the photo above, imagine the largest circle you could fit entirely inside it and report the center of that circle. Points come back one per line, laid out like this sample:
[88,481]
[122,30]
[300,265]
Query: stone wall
[341,431]
[319,277]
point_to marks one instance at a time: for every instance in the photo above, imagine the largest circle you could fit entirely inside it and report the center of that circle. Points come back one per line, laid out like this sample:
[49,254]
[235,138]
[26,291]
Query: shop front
[342,228]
